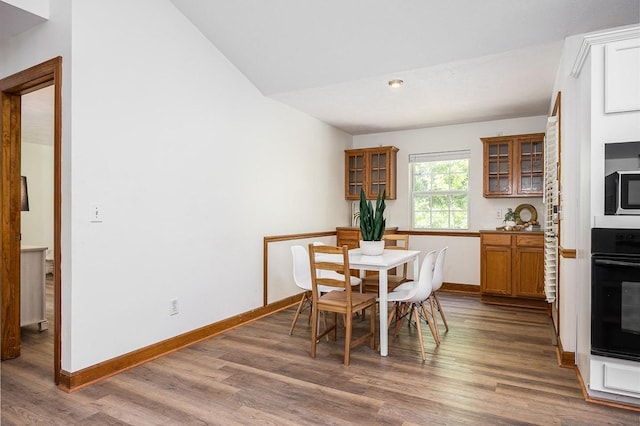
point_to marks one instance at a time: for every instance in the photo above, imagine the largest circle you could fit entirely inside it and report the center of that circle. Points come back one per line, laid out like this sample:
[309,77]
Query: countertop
[496,231]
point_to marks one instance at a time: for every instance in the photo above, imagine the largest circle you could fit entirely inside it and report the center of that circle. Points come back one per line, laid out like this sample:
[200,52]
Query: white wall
[462,251]
[571,104]
[37,223]
[192,167]
[582,285]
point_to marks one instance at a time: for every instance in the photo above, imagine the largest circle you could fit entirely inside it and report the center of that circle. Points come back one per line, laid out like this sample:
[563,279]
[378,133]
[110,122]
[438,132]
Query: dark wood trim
[10,219]
[265,255]
[460,288]
[441,233]
[567,253]
[71,382]
[275,238]
[514,301]
[26,81]
[30,79]
[57,217]
[565,359]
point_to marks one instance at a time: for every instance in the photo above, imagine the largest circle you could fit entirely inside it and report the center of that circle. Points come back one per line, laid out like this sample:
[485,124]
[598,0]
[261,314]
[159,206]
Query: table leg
[382,307]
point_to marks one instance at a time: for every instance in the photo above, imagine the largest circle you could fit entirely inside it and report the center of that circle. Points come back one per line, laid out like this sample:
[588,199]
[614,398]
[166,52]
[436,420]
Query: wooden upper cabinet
[513,165]
[373,169]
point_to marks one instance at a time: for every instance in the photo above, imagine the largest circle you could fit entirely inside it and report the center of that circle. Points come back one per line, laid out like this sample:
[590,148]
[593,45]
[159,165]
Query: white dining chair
[411,300]
[438,279]
[434,301]
[302,278]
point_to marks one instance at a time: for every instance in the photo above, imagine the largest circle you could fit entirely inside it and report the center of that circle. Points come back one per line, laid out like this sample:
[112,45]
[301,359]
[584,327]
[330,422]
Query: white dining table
[389,259]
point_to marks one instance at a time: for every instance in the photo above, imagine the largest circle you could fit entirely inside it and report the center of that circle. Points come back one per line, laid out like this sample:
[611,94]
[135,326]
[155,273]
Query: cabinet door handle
[616,263]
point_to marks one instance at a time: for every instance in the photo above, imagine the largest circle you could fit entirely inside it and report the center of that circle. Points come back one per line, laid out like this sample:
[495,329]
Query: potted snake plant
[372,224]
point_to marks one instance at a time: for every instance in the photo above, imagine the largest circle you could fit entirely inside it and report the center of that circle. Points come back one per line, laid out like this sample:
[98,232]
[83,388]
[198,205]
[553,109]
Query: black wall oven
[615,293]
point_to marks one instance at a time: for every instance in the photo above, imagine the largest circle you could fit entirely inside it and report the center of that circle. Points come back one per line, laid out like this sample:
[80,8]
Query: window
[440,190]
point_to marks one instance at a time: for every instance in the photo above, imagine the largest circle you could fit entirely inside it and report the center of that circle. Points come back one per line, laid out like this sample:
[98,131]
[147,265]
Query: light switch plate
[95,213]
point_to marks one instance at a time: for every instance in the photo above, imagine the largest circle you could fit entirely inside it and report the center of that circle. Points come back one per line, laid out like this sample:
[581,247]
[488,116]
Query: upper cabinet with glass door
[371,169]
[513,165]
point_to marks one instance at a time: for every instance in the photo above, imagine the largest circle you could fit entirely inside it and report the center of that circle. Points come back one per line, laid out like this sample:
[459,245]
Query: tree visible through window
[440,190]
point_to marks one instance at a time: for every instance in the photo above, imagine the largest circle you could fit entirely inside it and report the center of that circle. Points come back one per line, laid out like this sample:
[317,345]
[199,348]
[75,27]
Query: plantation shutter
[550,200]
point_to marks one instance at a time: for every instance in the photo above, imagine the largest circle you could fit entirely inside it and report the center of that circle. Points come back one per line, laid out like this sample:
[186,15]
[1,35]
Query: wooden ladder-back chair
[325,262]
[302,278]
[391,242]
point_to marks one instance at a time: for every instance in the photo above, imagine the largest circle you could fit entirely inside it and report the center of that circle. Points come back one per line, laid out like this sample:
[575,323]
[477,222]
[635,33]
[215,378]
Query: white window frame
[433,157]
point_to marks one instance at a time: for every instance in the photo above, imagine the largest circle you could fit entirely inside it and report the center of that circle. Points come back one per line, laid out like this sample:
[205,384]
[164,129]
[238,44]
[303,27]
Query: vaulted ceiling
[461,60]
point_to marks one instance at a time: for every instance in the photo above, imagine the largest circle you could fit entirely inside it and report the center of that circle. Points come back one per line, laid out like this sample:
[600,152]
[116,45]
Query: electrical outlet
[174,307]
[499,214]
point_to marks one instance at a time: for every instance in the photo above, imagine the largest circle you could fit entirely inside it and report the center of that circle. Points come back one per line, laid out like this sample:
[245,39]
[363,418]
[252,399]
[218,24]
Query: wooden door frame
[11,89]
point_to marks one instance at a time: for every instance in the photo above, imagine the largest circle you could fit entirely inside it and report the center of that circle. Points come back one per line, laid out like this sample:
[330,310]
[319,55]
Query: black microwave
[622,193]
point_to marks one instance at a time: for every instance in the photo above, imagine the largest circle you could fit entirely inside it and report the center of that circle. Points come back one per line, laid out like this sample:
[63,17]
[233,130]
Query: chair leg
[401,313]
[347,338]
[427,318]
[435,318]
[415,310]
[444,320]
[314,330]
[372,342]
[410,318]
[392,314]
[335,326]
[324,321]
[305,298]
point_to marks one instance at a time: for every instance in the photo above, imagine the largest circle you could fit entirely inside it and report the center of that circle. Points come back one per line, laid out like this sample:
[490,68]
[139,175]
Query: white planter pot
[372,248]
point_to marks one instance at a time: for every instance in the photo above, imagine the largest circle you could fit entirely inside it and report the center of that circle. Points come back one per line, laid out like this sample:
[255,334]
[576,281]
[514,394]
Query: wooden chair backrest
[338,262]
[392,242]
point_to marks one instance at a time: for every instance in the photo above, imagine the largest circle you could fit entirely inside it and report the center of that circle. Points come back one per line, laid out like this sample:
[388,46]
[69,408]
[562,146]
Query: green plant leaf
[372,222]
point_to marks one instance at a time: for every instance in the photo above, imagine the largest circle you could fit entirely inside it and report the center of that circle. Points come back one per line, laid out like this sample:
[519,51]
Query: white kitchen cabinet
[622,71]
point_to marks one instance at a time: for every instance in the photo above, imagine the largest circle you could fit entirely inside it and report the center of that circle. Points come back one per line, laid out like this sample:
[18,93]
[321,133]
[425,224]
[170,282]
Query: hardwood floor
[496,366]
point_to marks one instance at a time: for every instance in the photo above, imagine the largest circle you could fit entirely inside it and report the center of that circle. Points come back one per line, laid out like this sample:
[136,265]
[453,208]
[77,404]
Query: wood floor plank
[495,366]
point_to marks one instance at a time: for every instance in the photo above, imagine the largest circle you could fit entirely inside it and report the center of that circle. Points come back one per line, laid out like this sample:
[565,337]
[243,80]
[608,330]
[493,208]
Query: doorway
[12,89]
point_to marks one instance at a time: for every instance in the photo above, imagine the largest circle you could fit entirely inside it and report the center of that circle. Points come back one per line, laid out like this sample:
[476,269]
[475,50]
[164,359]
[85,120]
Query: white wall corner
[34,7]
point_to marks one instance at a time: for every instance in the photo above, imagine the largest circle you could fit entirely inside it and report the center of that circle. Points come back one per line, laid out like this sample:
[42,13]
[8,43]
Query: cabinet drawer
[529,241]
[496,239]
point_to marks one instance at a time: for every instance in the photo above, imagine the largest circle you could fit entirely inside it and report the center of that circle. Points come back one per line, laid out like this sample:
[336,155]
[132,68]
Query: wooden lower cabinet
[512,268]
[496,269]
